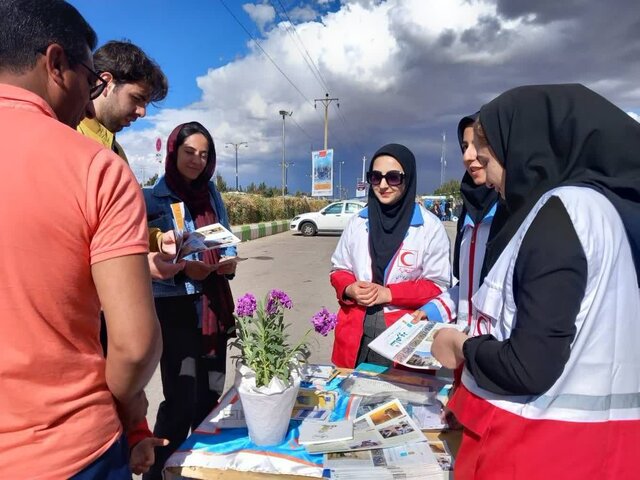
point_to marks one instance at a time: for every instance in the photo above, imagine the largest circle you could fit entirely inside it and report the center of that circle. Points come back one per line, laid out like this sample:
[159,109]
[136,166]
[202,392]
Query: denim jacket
[158,200]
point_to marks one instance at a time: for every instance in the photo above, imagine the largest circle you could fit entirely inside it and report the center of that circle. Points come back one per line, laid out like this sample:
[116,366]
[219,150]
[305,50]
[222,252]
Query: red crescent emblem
[404,261]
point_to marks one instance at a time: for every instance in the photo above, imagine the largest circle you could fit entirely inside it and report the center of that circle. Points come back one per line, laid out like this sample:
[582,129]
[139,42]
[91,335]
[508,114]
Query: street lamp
[340,177]
[286,174]
[284,114]
[236,145]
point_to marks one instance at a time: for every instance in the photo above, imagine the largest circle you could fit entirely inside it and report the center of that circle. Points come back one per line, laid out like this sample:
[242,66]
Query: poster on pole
[322,173]
[361,189]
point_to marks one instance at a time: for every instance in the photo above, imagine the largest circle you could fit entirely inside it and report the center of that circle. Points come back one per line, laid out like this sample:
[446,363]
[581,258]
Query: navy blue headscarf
[388,224]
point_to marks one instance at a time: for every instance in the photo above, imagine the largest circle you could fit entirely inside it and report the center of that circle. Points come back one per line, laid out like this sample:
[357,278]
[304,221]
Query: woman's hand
[363,293]
[196,270]
[227,268]
[447,347]
[167,243]
[417,316]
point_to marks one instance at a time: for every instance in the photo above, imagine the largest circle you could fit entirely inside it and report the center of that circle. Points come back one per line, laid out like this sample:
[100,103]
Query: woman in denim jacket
[195,308]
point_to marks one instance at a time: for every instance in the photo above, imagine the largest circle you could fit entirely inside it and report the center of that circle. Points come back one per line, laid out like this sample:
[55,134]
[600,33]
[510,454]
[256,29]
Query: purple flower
[278,298]
[246,305]
[324,321]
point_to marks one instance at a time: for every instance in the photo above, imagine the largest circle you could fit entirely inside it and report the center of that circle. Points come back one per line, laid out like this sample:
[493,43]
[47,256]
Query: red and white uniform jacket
[419,271]
[454,303]
[587,425]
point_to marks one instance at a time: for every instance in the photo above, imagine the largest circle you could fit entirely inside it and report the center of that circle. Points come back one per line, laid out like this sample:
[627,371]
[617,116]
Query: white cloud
[261,13]
[404,71]
[302,14]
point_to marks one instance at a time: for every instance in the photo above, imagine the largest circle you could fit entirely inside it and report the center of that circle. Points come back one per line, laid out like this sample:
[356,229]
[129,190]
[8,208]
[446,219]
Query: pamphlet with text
[204,238]
[409,343]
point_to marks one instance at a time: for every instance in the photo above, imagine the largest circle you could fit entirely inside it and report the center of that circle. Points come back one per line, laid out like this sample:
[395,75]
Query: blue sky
[405,71]
[185,38]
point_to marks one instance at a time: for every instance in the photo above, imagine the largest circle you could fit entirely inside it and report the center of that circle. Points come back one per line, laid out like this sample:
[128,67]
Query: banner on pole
[322,173]
[361,189]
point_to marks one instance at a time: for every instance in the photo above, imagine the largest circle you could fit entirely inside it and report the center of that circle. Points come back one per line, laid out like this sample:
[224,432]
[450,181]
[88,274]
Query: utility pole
[326,101]
[284,114]
[340,187]
[286,174]
[236,145]
[443,160]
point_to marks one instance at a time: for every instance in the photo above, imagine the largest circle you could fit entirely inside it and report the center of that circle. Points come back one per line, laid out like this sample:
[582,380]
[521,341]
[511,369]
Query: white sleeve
[342,258]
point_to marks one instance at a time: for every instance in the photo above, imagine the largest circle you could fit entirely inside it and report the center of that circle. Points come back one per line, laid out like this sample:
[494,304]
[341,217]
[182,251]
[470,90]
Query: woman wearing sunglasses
[392,258]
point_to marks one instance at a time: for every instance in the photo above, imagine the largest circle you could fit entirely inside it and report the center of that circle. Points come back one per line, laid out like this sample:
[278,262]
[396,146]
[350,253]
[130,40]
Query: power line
[302,129]
[255,41]
[265,53]
[306,56]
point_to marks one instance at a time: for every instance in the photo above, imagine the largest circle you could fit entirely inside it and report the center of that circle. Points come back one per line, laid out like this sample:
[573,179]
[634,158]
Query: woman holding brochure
[195,308]
[391,258]
[551,387]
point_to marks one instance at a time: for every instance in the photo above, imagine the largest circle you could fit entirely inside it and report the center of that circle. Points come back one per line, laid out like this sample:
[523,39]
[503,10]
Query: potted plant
[269,376]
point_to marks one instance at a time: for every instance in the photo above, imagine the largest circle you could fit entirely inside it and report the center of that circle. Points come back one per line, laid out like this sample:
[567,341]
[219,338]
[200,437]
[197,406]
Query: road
[300,267]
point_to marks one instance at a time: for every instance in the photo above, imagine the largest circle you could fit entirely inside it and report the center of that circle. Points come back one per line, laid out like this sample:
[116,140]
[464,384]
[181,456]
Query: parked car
[331,219]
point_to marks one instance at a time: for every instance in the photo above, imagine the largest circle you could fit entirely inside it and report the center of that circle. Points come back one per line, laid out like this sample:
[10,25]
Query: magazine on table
[204,238]
[414,461]
[409,343]
[386,426]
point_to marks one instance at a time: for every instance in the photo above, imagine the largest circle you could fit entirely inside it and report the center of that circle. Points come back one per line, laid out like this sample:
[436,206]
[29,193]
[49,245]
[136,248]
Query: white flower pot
[267,409]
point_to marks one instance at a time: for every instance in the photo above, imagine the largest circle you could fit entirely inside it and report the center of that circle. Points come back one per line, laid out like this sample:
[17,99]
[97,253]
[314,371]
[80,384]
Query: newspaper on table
[422,392]
[414,461]
[204,238]
[313,432]
[409,343]
[386,426]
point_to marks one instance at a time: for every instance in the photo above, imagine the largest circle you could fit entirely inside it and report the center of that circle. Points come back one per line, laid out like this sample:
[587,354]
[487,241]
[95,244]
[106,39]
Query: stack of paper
[414,461]
[314,433]
[386,426]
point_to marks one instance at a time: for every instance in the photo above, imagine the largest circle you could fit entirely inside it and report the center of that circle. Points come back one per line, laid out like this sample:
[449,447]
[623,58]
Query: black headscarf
[477,200]
[388,224]
[554,135]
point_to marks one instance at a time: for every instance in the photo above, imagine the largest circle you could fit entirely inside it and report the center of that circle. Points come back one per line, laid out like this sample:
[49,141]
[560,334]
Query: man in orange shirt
[62,405]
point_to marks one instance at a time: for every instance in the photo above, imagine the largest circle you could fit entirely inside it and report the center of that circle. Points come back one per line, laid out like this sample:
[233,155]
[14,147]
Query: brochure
[414,461]
[313,432]
[409,343]
[387,426]
[204,238]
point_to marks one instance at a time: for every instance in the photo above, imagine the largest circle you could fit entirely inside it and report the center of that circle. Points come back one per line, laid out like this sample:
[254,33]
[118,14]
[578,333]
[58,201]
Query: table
[451,437]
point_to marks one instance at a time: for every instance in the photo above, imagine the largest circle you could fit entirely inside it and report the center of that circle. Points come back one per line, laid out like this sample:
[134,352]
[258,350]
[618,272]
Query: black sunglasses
[393,177]
[97,88]
[98,85]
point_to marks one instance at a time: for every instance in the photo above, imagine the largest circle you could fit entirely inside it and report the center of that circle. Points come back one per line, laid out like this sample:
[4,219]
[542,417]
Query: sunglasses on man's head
[393,177]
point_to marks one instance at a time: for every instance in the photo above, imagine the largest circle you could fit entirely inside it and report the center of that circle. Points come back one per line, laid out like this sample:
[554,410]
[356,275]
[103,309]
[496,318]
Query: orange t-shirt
[66,204]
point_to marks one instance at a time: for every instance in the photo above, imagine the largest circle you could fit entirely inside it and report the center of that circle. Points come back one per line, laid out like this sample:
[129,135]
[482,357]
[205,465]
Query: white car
[331,219]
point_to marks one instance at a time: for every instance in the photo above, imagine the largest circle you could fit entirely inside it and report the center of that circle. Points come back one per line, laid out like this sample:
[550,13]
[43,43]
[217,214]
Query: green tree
[449,188]
[151,181]
[221,185]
